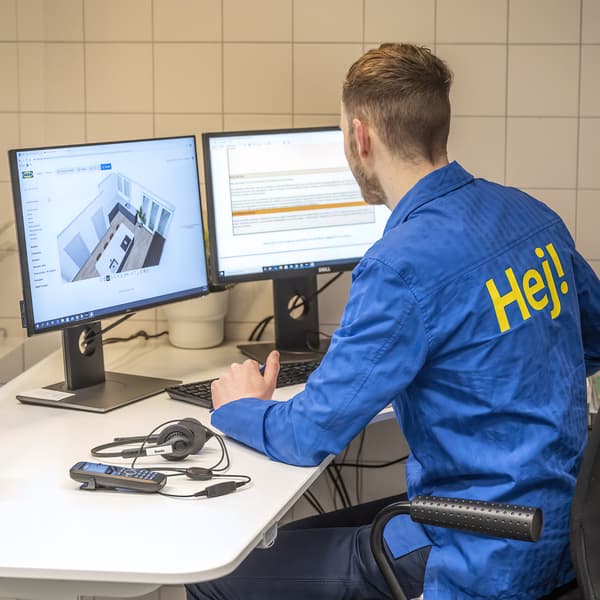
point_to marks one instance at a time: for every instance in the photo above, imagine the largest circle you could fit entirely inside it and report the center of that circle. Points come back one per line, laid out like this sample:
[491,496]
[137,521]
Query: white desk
[60,542]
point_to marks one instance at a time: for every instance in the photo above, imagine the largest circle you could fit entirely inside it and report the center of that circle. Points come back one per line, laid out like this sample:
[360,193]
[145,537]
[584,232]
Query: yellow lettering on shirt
[531,292]
[501,302]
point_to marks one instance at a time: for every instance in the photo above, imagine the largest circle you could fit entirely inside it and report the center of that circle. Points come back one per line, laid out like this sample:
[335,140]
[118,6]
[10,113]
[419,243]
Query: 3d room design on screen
[123,228]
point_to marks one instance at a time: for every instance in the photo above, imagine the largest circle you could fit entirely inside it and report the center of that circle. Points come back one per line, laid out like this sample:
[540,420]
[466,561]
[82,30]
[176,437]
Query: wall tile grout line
[222,65]
[293,66]
[85,103]
[506,76]
[579,121]
[283,43]
[19,101]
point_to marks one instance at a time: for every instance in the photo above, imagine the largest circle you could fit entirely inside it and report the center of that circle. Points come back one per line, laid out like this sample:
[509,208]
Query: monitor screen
[107,228]
[104,229]
[284,205]
[283,202]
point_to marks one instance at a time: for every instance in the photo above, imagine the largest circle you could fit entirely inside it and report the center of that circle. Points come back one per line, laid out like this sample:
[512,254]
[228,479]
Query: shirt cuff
[243,420]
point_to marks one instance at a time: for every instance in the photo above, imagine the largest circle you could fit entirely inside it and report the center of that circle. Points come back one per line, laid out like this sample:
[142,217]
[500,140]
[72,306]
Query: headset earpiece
[181,439]
[201,433]
[186,437]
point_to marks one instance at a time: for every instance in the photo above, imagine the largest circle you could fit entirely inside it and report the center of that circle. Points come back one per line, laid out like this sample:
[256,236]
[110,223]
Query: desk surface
[55,531]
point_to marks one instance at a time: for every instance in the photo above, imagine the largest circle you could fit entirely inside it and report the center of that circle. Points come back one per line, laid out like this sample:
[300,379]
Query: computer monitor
[283,205]
[104,229]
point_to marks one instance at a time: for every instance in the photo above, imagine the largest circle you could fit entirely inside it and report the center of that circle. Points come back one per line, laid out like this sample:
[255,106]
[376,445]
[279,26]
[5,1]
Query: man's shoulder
[453,233]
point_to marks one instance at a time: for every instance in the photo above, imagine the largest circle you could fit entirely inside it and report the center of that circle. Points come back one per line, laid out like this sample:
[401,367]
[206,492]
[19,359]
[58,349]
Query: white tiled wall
[526,97]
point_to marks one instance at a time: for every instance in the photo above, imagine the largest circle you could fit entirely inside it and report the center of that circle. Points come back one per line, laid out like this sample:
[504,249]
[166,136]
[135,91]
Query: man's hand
[244,380]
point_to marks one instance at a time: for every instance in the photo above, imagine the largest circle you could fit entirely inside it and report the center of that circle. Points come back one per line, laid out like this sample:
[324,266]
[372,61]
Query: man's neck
[398,177]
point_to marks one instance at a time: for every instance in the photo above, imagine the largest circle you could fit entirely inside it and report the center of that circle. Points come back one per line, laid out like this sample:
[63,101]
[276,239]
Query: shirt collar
[434,185]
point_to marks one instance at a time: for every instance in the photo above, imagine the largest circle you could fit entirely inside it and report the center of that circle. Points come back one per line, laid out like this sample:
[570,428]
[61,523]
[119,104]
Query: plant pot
[198,323]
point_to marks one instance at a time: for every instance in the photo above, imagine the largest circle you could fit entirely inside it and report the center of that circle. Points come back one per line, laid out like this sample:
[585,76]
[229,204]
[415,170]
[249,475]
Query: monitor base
[260,351]
[119,389]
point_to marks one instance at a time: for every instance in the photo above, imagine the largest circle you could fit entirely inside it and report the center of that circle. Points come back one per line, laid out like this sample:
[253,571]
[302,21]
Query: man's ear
[362,137]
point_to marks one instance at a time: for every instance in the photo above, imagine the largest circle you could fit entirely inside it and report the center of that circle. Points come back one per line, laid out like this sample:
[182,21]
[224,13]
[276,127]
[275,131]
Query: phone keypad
[136,473]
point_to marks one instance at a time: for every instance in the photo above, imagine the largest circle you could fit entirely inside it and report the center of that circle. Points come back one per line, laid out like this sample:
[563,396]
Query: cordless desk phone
[95,476]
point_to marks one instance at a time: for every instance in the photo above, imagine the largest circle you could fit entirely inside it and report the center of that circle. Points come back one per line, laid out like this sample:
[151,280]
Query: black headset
[174,442]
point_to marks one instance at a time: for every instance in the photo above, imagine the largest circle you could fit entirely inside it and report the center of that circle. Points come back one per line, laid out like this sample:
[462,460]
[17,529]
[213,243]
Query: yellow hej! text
[535,291]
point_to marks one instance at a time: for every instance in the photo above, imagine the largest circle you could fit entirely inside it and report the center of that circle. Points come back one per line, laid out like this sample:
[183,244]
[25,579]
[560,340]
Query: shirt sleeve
[375,354]
[588,292]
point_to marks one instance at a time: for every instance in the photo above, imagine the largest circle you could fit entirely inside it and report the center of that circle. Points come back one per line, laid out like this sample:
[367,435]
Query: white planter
[198,323]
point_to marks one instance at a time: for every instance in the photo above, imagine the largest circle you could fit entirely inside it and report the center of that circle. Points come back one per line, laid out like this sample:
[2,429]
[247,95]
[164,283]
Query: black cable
[338,469]
[339,485]
[91,335]
[324,334]
[197,473]
[211,491]
[224,453]
[336,489]
[312,500]
[200,473]
[114,340]
[299,301]
[310,346]
[258,331]
[140,333]
[342,483]
[363,465]
[357,471]
[325,285]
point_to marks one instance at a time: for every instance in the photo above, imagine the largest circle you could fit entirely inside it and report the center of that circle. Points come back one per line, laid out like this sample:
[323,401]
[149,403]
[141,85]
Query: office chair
[518,522]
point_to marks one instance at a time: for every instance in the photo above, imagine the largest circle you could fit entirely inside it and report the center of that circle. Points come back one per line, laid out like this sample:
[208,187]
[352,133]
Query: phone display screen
[95,468]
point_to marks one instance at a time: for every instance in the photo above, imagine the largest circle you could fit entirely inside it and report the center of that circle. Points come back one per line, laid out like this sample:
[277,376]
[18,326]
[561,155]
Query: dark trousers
[323,557]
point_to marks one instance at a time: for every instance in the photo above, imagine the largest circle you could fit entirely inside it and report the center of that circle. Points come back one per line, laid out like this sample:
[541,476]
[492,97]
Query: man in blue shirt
[477,319]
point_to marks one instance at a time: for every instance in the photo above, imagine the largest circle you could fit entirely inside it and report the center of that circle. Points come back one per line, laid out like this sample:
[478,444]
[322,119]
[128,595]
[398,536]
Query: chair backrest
[585,518]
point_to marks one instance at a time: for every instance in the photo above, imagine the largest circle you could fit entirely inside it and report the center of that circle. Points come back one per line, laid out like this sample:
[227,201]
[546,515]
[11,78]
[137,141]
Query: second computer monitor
[283,205]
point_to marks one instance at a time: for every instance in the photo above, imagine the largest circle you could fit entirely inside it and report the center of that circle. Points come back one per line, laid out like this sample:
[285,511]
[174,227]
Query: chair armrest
[485,518]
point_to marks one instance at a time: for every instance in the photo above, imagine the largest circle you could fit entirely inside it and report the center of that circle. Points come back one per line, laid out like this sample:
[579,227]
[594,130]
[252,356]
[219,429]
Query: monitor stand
[296,335]
[87,386]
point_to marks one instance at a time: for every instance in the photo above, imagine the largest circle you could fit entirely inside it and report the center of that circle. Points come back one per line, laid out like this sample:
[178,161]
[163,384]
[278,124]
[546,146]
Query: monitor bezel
[215,275]
[27,316]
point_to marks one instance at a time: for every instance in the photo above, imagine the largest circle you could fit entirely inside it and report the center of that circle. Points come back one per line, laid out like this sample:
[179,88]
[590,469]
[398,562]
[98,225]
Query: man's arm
[380,346]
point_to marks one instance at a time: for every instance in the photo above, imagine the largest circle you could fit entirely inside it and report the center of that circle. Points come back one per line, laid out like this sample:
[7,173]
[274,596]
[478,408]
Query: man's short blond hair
[402,90]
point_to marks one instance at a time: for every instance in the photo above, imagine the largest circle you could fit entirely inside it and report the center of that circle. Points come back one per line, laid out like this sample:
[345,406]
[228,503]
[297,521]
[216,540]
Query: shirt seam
[389,340]
[433,194]
[444,282]
[412,293]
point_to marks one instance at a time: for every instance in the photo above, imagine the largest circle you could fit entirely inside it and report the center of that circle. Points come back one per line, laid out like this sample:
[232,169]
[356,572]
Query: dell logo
[324,270]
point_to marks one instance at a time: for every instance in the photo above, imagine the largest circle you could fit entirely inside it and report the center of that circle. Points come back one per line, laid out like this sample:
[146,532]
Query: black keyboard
[198,392]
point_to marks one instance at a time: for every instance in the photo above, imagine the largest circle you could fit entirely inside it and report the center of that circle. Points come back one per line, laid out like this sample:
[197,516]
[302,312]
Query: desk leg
[268,538]
[44,589]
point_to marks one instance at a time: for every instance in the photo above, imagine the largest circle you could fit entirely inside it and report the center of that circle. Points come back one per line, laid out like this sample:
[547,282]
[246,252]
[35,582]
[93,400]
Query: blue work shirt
[477,319]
